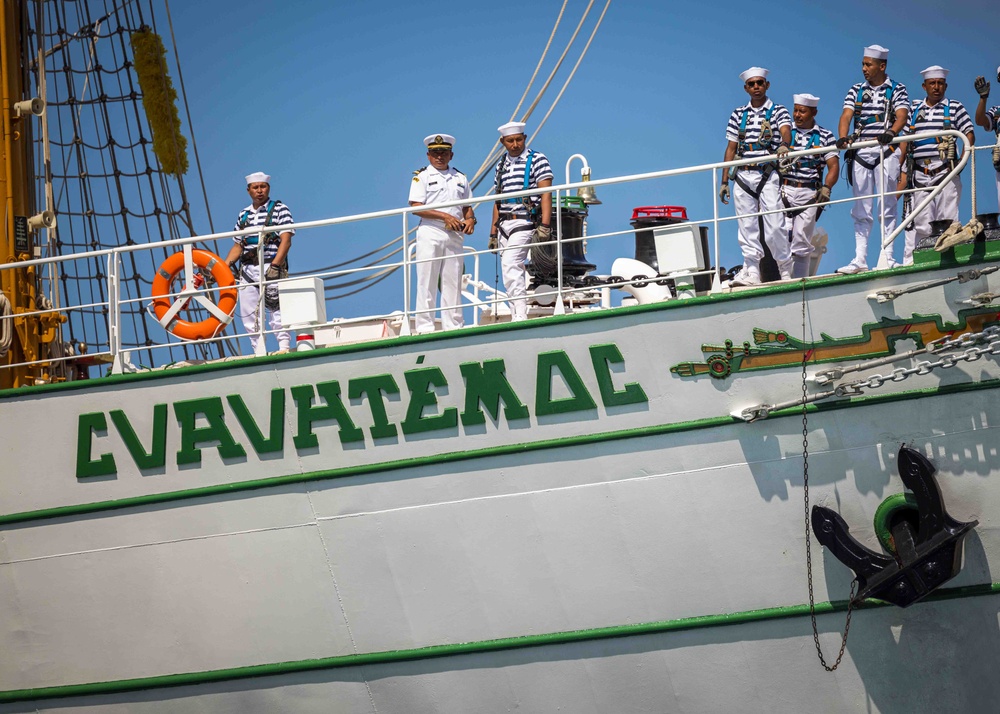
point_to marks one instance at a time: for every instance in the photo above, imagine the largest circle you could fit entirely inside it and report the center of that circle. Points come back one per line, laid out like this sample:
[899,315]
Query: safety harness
[763,143]
[812,162]
[508,208]
[860,97]
[250,245]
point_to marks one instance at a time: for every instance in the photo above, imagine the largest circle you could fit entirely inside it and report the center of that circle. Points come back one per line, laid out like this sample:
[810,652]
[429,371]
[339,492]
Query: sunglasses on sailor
[756,82]
[439,152]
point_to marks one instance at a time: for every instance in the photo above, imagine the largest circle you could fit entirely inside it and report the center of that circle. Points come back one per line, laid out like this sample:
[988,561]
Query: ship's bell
[587,193]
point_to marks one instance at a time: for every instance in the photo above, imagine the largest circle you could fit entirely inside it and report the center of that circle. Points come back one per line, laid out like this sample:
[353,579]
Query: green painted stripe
[502,644]
[961,256]
[488,452]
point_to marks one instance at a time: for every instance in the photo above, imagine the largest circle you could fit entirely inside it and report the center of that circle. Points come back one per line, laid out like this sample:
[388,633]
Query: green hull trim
[493,451]
[502,644]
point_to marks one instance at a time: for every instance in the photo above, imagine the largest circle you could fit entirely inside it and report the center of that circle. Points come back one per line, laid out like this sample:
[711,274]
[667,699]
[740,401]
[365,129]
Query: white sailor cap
[439,141]
[806,100]
[258,177]
[935,72]
[511,128]
[876,52]
[754,72]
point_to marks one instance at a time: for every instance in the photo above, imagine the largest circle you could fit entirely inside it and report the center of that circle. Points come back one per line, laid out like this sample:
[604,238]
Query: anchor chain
[805,500]
[967,340]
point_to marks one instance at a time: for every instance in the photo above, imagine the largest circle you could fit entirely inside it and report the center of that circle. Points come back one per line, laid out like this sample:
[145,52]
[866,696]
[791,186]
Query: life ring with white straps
[167,310]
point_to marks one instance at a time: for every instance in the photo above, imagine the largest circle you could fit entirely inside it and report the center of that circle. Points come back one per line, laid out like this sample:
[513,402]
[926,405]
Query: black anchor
[924,560]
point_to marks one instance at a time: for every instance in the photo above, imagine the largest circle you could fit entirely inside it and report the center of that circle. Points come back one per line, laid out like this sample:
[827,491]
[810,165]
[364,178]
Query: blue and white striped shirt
[509,176]
[806,168]
[251,217]
[755,117]
[873,105]
[927,118]
[993,115]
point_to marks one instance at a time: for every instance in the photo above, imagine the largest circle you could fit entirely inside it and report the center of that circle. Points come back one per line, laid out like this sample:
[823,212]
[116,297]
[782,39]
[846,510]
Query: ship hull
[536,517]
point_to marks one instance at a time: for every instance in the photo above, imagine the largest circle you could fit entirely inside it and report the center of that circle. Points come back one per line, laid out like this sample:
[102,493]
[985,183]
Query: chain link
[805,500]
[971,353]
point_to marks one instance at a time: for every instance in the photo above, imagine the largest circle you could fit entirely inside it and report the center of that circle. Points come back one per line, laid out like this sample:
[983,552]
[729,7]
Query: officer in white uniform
[439,239]
[804,188]
[516,220]
[261,212]
[932,159]
[989,119]
[758,128]
[879,108]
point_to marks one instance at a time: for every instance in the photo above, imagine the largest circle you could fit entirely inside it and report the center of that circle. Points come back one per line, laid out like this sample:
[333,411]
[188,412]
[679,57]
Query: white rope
[490,159]
[575,67]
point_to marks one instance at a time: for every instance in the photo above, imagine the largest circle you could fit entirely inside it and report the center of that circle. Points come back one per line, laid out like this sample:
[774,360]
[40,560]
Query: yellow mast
[33,335]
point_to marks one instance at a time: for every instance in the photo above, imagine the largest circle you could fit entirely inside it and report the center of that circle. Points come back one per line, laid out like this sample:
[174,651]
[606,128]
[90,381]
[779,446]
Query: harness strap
[859,105]
[811,162]
[871,166]
[791,211]
[765,174]
[244,221]
[743,144]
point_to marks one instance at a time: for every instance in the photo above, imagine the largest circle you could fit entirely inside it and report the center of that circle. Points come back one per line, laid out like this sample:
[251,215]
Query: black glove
[232,267]
[886,137]
[272,273]
[983,87]
[843,142]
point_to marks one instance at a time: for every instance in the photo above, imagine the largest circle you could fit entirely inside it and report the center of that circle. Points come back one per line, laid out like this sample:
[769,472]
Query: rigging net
[106,185]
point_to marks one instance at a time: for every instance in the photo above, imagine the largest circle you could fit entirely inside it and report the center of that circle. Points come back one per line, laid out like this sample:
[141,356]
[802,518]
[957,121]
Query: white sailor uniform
[757,188]
[798,188]
[929,168]
[515,225]
[876,167]
[438,250]
[250,270]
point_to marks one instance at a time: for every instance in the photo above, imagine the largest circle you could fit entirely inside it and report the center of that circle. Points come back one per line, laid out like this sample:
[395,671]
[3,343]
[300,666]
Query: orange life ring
[167,311]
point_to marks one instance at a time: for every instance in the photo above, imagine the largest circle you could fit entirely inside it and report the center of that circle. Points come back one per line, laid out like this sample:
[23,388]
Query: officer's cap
[876,52]
[439,141]
[806,100]
[754,72]
[511,128]
[258,177]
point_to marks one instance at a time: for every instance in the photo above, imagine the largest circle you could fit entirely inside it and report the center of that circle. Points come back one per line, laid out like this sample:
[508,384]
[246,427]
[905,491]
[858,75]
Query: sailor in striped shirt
[932,159]
[804,189]
[261,212]
[989,119]
[879,108]
[515,220]
[759,128]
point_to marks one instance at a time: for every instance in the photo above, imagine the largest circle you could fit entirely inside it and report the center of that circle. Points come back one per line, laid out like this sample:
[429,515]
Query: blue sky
[333,99]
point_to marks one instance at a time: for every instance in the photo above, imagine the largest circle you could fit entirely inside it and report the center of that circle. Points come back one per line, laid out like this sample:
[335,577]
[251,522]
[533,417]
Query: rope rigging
[486,168]
[109,188]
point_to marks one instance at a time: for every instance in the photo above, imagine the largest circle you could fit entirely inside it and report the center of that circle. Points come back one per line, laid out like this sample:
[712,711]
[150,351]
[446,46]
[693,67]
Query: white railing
[559,296]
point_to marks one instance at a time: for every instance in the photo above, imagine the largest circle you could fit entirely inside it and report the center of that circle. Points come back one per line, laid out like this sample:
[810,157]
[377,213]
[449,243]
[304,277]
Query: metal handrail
[113,254]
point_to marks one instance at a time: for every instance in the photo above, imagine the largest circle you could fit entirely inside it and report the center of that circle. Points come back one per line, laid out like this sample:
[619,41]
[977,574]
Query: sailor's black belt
[800,184]
[931,172]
